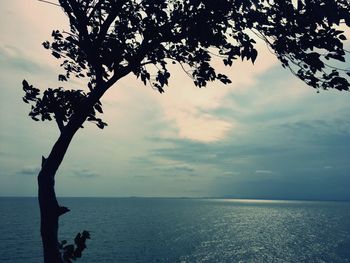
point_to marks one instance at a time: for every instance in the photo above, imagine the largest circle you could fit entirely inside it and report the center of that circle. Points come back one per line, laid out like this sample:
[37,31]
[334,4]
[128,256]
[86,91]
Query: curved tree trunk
[50,211]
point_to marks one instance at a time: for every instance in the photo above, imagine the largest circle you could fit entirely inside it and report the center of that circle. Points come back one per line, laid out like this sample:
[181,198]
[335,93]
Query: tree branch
[48,2]
[59,122]
[109,20]
[97,5]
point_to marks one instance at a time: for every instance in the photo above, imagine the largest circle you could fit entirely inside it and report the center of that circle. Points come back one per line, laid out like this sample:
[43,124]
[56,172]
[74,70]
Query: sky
[266,135]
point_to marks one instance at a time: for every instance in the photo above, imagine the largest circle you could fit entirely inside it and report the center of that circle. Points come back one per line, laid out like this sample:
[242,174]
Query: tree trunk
[50,211]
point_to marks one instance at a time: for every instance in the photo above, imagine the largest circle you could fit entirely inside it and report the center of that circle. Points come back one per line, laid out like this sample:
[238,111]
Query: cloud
[180,168]
[191,109]
[81,173]
[265,119]
[226,153]
[291,186]
[189,112]
[84,173]
[23,27]
[264,172]
[177,170]
[29,171]
[229,173]
[296,151]
[11,56]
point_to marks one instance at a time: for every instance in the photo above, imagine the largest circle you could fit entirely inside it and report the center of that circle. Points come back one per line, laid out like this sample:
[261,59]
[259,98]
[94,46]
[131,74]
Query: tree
[109,39]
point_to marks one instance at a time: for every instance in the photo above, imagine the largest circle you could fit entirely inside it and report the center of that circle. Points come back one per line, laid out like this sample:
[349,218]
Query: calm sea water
[184,230]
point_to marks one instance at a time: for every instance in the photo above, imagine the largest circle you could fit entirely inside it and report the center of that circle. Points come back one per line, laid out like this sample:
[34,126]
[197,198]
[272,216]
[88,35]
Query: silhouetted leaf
[254,55]
[342,37]
[98,108]
[62,77]
[55,54]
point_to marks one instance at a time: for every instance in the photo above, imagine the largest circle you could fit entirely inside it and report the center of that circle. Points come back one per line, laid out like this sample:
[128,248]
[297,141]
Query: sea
[184,230]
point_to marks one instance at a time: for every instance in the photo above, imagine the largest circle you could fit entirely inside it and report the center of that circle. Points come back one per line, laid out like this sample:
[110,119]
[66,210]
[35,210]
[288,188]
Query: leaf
[342,37]
[56,34]
[98,108]
[228,62]
[336,56]
[100,125]
[69,249]
[90,86]
[77,239]
[55,54]
[25,85]
[46,44]
[224,79]
[253,55]
[91,118]
[86,234]
[62,77]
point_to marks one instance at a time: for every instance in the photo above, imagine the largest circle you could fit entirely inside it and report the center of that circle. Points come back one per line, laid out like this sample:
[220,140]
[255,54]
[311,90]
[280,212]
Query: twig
[48,2]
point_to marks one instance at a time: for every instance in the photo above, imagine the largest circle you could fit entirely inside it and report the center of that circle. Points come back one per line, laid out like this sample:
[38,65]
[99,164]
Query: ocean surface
[184,230]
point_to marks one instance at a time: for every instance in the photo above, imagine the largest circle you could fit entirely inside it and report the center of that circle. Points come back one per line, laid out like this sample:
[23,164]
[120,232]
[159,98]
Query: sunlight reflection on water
[254,201]
[185,230]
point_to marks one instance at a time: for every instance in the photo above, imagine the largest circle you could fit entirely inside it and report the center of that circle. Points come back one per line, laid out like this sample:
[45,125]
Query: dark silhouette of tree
[109,39]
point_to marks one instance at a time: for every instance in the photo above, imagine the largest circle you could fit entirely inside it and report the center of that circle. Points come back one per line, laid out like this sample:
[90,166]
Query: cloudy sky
[266,135]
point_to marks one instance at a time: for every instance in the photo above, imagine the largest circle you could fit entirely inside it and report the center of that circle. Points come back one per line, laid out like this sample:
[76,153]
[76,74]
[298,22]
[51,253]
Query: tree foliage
[71,252]
[109,39]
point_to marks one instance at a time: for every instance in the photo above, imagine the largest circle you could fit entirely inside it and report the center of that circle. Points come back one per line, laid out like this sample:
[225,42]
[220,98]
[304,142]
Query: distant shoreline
[207,198]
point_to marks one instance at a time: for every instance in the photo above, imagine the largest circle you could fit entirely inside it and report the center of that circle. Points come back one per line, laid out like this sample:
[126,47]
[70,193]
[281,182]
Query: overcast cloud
[266,135]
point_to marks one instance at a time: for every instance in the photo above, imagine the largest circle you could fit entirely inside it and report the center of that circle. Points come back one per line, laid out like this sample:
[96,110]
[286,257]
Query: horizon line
[193,197]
